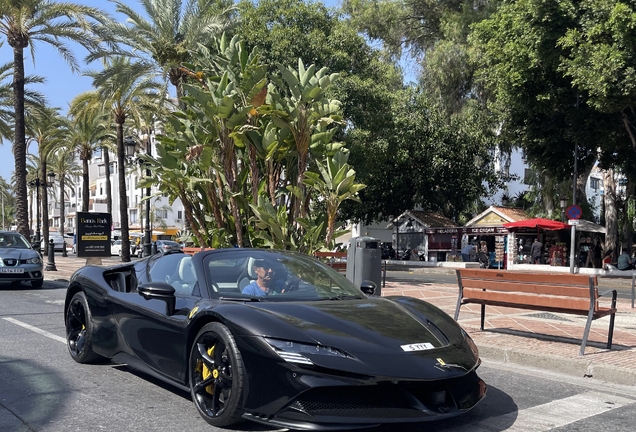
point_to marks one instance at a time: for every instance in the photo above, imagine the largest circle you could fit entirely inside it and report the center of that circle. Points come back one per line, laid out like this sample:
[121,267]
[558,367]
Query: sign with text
[93,234]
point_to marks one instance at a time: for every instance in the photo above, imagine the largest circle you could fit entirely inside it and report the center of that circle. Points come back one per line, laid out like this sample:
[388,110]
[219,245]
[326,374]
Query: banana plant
[334,182]
[299,103]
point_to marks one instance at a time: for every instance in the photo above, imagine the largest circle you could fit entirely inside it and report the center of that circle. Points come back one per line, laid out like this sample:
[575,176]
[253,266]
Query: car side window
[178,271]
[164,268]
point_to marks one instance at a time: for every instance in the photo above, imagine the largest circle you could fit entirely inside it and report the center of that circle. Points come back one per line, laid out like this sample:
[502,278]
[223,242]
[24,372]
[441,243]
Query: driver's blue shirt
[254,290]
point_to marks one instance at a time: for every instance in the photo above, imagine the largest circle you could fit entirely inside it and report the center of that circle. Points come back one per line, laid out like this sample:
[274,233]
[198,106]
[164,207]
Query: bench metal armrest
[603,294]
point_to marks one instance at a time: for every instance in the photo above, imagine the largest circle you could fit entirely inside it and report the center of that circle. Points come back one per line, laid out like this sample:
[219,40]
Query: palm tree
[31,98]
[66,169]
[23,23]
[124,87]
[87,108]
[7,202]
[89,129]
[173,27]
[43,128]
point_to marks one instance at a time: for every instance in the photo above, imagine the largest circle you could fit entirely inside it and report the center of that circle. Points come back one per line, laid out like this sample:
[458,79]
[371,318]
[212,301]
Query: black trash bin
[364,261]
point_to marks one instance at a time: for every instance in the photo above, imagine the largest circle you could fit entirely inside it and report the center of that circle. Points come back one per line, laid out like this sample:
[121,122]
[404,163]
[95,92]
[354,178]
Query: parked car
[311,351]
[167,245]
[115,247]
[19,262]
[58,242]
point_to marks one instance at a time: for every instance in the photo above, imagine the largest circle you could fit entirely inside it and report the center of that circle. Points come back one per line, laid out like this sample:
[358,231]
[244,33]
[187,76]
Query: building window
[179,214]
[133,216]
[594,183]
[162,213]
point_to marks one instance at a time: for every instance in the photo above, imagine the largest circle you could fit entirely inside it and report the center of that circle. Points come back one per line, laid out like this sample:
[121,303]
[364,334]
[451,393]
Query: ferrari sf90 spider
[274,337]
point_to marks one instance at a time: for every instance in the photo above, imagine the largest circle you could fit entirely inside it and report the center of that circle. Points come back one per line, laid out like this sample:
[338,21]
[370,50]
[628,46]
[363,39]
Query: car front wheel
[79,330]
[37,283]
[216,375]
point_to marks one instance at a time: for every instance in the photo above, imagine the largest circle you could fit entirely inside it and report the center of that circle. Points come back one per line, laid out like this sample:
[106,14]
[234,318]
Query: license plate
[417,347]
[11,270]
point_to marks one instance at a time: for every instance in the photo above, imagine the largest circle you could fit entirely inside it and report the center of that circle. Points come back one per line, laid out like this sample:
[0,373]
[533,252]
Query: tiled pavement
[538,339]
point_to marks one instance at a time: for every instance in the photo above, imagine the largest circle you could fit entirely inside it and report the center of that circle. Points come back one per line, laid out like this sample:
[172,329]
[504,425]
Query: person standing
[466,251]
[625,261]
[535,251]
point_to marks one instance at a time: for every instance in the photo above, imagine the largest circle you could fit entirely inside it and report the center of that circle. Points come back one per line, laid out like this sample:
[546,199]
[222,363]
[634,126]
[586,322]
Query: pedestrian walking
[535,251]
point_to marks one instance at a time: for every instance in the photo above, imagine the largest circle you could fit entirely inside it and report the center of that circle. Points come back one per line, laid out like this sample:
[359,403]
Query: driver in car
[269,279]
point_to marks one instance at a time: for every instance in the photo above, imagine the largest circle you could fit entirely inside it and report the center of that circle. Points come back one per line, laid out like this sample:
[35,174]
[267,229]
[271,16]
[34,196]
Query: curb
[578,368]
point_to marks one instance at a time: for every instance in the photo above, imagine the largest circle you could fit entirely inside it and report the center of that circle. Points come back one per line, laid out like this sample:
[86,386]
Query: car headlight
[34,260]
[296,352]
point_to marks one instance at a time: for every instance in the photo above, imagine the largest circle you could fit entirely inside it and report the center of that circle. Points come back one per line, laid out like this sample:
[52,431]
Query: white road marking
[36,330]
[553,414]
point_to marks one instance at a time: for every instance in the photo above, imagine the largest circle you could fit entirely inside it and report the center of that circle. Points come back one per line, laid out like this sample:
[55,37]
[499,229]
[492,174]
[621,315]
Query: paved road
[42,389]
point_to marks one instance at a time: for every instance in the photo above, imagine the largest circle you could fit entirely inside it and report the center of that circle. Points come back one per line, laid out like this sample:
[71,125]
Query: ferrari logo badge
[215,373]
[193,311]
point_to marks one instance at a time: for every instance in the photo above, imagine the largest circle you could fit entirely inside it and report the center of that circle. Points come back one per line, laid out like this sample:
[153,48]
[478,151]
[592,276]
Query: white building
[166,219]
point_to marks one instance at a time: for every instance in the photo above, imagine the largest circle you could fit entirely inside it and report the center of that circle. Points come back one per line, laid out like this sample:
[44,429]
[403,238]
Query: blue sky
[61,85]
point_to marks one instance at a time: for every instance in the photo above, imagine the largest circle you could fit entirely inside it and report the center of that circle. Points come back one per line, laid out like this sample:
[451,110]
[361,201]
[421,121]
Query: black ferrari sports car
[274,337]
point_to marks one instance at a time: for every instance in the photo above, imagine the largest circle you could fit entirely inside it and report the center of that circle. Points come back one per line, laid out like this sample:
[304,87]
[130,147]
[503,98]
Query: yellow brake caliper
[205,373]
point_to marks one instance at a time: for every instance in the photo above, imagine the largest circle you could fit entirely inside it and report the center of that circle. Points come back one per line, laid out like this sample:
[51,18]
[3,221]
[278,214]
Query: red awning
[546,224]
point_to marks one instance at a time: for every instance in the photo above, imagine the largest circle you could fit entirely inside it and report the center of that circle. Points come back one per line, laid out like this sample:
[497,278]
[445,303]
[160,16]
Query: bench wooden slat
[551,278]
[517,299]
[535,288]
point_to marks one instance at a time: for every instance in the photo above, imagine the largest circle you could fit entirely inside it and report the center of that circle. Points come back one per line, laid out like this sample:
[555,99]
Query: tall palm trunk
[85,186]
[45,204]
[109,196]
[62,215]
[19,143]
[123,196]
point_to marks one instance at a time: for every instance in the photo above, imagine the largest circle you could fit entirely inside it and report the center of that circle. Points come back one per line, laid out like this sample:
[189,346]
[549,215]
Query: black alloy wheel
[79,337]
[216,376]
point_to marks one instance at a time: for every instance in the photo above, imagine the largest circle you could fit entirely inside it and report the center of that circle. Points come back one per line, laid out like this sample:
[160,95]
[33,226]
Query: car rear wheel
[216,376]
[79,330]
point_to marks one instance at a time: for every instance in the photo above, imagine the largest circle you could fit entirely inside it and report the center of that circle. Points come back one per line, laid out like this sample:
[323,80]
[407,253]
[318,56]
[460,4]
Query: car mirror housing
[159,291]
[367,287]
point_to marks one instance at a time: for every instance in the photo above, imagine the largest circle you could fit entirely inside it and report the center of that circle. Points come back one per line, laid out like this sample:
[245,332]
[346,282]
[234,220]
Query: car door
[147,329]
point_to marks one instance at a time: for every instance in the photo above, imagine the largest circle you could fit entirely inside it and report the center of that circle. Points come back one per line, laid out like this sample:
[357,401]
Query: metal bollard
[153,248]
[50,265]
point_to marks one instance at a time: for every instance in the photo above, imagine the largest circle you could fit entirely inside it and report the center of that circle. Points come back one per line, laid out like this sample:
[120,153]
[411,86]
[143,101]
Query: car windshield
[260,275]
[11,240]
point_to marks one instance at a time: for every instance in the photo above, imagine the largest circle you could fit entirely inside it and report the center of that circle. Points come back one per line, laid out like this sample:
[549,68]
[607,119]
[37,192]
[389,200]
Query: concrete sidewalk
[524,337]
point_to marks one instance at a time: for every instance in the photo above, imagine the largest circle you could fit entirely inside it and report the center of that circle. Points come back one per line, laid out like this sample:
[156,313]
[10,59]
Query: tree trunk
[123,196]
[62,215]
[109,196]
[19,143]
[45,204]
[611,219]
[85,191]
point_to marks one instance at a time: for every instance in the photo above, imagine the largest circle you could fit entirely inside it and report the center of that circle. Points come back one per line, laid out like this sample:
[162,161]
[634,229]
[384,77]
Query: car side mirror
[367,287]
[159,291]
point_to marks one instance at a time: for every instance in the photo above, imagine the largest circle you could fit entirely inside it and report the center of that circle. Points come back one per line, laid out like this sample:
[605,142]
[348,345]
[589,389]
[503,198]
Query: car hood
[403,332]
[17,253]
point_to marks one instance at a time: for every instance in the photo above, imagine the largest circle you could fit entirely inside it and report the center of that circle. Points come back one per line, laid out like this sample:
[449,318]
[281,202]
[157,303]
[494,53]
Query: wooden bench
[330,258]
[193,250]
[572,294]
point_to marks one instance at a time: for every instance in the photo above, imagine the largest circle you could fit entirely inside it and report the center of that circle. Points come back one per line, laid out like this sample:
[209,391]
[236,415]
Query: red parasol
[546,224]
